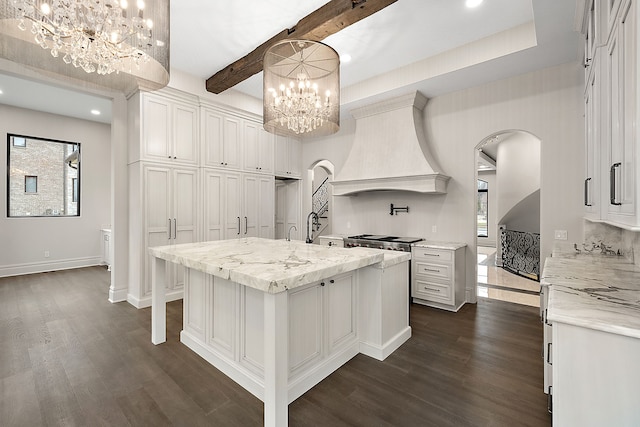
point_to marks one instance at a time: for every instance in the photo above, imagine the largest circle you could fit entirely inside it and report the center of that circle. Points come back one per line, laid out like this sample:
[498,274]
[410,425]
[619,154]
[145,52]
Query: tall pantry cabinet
[197,172]
[612,142]
[163,184]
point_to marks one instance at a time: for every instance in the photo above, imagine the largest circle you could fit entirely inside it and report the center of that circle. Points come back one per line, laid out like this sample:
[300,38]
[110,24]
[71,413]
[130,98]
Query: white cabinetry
[322,320]
[595,377]
[288,157]
[438,276]
[237,205]
[221,141]
[163,212]
[287,209]
[611,100]
[258,148]
[168,129]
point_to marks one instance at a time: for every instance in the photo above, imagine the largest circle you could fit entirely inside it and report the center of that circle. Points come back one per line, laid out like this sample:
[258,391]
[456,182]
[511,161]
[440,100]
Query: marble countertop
[269,265]
[595,291]
[432,244]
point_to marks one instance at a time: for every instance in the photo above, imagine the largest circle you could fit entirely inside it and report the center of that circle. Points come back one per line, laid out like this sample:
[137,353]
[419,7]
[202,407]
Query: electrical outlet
[560,234]
[46,254]
[434,229]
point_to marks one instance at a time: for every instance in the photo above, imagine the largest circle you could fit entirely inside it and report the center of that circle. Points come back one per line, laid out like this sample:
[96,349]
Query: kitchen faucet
[316,221]
[289,232]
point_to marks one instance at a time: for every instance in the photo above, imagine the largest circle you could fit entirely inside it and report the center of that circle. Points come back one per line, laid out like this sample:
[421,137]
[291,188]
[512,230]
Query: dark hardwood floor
[69,357]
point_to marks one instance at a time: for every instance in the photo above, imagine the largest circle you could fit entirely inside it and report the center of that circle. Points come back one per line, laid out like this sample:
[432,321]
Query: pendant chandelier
[99,36]
[301,89]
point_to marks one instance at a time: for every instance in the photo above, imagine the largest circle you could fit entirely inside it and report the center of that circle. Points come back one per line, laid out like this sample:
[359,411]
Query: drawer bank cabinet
[438,275]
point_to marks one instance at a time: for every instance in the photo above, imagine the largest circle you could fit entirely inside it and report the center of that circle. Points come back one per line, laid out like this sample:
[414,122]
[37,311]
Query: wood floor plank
[19,404]
[69,357]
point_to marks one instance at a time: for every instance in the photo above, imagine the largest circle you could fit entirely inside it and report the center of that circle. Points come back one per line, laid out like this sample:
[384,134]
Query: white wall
[72,241]
[518,182]
[546,103]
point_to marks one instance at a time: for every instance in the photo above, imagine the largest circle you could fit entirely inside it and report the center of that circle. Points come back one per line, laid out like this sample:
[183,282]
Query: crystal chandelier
[100,36]
[307,99]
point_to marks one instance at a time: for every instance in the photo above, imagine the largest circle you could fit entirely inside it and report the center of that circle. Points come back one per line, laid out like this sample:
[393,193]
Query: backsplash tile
[614,238]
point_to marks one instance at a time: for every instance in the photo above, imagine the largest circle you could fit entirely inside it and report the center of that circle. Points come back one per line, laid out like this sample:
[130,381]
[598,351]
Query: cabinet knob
[174,157]
[332,281]
[321,283]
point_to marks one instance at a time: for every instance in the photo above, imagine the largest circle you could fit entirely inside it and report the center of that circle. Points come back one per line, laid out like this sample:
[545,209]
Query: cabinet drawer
[432,269]
[433,291]
[437,255]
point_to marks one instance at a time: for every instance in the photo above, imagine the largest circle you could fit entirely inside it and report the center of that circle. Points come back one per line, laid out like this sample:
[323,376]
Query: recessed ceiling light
[95,112]
[473,3]
[1,92]
[345,57]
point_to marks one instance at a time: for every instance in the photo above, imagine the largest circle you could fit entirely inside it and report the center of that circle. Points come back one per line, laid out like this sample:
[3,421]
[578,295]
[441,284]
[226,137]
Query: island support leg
[276,359]
[158,301]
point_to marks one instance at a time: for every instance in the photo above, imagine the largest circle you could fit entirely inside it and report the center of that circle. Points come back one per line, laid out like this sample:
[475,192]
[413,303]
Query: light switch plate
[561,234]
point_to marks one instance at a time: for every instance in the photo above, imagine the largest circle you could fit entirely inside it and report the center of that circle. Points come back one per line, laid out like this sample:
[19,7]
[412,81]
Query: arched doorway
[507,200]
[318,195]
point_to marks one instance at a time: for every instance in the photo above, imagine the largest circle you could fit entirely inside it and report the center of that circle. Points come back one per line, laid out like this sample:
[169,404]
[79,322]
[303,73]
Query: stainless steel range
[394,243]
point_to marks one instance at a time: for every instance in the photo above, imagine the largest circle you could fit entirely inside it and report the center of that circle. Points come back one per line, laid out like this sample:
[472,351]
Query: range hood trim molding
[414,99]
[432,184]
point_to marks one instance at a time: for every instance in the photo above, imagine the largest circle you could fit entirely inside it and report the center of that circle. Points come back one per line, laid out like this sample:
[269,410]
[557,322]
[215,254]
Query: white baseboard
[42,267]
[118,295]
[146,301]
[382,352]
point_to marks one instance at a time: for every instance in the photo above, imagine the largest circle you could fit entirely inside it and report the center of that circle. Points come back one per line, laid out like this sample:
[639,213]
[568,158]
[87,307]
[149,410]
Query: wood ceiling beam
[320,24]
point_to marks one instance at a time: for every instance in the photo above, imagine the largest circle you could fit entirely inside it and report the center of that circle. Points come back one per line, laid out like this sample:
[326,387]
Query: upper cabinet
[612,143]
[288,157]
[168,129]
[221,139]
[258,148]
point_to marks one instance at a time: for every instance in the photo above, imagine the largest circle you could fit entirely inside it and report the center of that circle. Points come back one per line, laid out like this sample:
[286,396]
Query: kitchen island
[277,317]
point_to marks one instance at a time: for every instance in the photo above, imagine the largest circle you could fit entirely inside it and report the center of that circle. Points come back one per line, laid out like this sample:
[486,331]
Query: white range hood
[390,151]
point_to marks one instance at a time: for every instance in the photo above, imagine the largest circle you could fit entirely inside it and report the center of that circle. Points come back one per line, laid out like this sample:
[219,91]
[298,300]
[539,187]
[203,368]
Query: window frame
[483,190]
[26,178]
[76,146]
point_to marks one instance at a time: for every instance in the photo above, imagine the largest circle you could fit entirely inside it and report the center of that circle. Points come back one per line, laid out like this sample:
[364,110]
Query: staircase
[320,204]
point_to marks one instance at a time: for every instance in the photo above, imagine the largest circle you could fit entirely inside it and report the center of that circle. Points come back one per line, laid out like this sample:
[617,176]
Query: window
[482,214]
[75,189]
[43,177]
[30,184]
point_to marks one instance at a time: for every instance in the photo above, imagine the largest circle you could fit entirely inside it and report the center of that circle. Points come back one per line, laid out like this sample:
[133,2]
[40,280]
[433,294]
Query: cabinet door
[305,327]
[266,208]
[214,203]
[341,307]
[251,147]
[593,113]
[266,150]
[295,158]
[615,148]
[280,211]
[184,214]
[212,129]
[281,167]
[629,46]
[292,208]
[231,144]
[156,128]
[185,133]
[157,214]
[233,206]
[251,200]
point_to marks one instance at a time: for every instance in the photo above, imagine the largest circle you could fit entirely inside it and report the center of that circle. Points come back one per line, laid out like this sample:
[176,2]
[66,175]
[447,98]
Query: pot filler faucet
[315,221]
[293,227]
